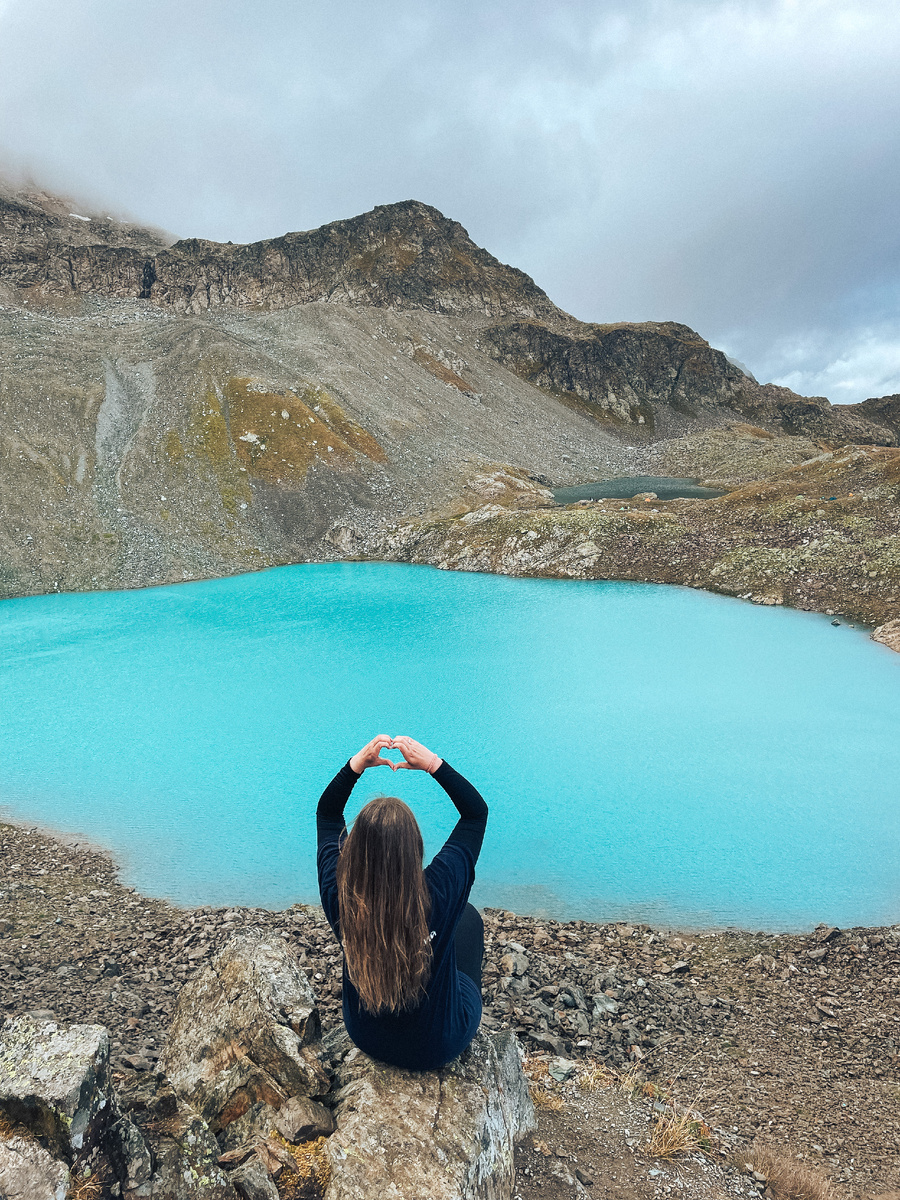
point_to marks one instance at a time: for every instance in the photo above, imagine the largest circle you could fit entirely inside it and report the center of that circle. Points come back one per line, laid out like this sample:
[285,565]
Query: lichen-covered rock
[54,1081]
[240,1032]
[28,1172]
[252,1181]
[447,1135]
[186,1165]
[129,1153]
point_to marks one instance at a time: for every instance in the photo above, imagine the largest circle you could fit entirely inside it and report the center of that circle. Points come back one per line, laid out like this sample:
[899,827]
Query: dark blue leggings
[469,943]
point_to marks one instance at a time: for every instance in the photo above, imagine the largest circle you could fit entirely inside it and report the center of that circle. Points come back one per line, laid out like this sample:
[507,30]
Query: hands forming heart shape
[416,757]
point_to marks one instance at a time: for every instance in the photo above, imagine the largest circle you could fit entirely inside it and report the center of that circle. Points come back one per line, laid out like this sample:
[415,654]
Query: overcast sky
[732,165]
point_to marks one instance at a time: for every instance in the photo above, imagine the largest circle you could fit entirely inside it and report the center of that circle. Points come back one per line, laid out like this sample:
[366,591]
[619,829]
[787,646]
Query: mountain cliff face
[665,377]
[170,411]
[398,256]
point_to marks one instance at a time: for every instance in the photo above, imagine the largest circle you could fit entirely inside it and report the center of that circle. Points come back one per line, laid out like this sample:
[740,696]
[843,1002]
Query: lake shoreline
[820,537]
[788,1028]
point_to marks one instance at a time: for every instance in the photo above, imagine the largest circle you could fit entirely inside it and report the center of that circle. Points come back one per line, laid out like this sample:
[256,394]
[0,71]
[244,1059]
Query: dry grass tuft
[313,1172]
[542,1098]
[9,1129]
[786,1178]
[596,1076]
[677,1133]
[84,1187]
[544,1094]
[536,1068]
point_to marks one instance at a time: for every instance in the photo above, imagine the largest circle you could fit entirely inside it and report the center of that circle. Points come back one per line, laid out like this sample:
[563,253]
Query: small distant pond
[626,486]
[648,753]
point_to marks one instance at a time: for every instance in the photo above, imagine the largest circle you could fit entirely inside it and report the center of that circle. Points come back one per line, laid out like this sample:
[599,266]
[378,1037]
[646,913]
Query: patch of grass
[752,431]
[676,1133]
[536,1068]
[436,368]
[597,1076]
[546,1093]
[786,1179]
[358,438]
[207,431]
[84,1187]
[313,1172]
[542,1098]
[172,446]
[7,1129]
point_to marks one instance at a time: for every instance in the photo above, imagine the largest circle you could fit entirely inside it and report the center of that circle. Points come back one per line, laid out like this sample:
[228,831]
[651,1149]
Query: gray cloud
[733,165]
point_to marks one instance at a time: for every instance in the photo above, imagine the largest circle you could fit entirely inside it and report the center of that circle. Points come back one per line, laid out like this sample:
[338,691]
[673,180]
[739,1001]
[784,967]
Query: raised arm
[473,812]
[330,810]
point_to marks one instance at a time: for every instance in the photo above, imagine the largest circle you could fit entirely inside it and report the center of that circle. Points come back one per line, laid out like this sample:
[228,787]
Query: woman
[413,945]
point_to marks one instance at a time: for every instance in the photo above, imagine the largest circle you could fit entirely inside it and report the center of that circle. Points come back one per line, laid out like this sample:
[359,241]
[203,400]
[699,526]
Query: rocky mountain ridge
[405,255]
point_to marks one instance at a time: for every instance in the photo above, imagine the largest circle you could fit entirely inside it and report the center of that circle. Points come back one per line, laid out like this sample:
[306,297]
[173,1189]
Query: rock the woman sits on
[413,945]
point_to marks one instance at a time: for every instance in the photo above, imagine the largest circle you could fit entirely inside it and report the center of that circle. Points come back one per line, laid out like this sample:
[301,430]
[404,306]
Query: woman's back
[427,1032]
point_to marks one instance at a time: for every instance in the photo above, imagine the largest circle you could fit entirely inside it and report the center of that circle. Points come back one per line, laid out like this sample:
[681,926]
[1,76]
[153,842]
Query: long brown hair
[384,907]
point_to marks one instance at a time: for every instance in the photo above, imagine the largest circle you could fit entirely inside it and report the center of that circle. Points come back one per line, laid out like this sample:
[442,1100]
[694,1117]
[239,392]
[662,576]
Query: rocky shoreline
[791,1038]
[822,536]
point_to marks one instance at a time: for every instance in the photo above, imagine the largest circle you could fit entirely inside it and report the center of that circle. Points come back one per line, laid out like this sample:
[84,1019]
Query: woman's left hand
[370,755]
[417,756]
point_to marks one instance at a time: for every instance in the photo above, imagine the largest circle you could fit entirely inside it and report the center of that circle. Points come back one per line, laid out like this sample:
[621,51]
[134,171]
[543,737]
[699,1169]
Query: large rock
[447,1135]
[241,1030]
[889,634]
[55,1082]
[28,1172]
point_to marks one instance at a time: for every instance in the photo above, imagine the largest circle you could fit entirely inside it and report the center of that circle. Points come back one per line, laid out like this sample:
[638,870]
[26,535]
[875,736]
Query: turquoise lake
[648,753]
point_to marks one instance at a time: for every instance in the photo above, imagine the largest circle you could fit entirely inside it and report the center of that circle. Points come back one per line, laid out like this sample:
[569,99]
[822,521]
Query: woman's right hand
[370,755]
[417,757]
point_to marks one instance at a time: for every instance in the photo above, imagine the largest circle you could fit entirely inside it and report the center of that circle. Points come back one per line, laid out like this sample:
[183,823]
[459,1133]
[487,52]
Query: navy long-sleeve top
[447,1018]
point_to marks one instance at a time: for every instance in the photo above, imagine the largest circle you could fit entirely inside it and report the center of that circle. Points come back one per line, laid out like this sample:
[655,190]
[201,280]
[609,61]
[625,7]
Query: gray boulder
[252,1181]
[129,1154]
[28,1172]
[301,1119]
[241,1030]
[55,1082]
[186,1162]
[447,1135]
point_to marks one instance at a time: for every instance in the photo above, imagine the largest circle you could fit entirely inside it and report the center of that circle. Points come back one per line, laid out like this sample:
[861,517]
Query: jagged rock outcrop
[653,373]
[241,1032]
[447,1134]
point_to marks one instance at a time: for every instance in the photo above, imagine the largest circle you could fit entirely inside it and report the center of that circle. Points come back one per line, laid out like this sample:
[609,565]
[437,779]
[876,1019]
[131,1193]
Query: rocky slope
[172,411]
